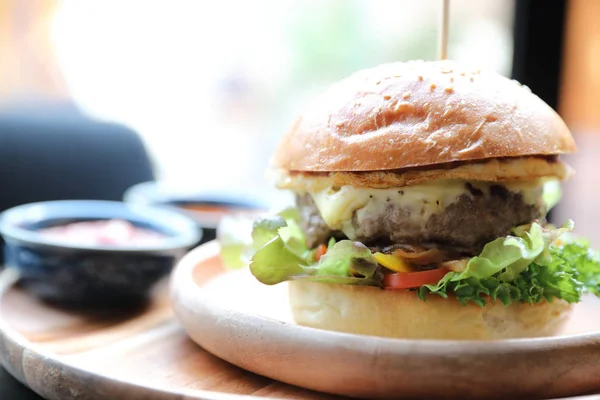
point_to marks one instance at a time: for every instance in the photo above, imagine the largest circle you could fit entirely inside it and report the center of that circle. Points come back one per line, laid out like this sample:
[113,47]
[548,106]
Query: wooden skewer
[443,39]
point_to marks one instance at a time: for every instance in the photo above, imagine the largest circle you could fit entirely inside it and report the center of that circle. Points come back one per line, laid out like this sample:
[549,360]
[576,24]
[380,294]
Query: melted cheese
[338,206]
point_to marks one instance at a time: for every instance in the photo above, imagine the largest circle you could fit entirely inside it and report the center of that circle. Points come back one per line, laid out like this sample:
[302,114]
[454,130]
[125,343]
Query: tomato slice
[409,280]
[320,252]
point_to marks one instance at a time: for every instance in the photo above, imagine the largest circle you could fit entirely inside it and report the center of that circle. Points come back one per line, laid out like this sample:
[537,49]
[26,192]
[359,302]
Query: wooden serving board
[141,353]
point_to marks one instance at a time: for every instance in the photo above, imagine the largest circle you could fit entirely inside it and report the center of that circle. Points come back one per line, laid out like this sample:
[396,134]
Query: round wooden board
[248,324]
[125,355]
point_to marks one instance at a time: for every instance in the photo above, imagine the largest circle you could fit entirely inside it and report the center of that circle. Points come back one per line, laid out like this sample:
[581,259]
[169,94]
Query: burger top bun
[420,114]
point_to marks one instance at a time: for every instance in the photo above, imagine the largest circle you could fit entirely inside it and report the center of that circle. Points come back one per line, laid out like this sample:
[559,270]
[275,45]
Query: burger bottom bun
[401,314]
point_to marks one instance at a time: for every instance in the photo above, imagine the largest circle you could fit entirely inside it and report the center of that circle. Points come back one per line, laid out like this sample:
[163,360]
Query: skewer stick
[443,39]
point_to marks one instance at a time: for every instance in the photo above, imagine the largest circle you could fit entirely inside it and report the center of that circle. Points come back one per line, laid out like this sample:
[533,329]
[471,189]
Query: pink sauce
[104,232]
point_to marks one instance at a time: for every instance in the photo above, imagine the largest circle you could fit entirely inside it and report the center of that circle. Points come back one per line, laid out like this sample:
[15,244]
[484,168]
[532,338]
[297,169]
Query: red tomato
[409,280]
[320,252]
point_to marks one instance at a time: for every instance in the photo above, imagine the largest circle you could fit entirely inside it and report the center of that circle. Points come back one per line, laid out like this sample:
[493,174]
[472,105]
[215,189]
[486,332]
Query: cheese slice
[339,205]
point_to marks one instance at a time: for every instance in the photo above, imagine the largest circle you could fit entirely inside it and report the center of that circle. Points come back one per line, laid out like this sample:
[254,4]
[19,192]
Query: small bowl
[205,207]
[61,271]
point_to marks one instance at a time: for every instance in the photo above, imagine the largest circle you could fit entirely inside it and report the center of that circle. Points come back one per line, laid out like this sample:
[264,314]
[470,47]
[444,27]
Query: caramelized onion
[431,256]
[421,257]
[455,265]
[417,254]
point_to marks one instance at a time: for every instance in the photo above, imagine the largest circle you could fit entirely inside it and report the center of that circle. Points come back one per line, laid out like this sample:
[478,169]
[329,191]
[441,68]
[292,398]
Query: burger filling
[458,216]
[474,241]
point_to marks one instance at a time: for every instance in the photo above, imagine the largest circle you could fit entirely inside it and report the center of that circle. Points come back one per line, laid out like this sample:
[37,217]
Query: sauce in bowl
[113,232]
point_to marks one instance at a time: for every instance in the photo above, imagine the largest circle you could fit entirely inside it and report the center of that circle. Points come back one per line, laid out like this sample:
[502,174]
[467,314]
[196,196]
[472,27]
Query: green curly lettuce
[572,271]
[529,267]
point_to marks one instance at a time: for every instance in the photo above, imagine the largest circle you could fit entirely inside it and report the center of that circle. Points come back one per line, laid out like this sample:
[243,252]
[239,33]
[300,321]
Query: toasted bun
[419,113]
[401,314]
[495,170]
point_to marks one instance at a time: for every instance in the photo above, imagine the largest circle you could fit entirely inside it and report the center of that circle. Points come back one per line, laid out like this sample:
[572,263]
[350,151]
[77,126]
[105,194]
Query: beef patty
[464,227]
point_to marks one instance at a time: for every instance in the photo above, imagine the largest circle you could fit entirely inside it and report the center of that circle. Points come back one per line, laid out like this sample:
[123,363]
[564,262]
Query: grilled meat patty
[464,227]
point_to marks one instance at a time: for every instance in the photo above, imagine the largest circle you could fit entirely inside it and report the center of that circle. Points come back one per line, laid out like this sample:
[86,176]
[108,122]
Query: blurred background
[209,87]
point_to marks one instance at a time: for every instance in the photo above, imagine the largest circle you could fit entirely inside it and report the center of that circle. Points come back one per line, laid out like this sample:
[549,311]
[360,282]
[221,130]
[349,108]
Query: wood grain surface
[141,353]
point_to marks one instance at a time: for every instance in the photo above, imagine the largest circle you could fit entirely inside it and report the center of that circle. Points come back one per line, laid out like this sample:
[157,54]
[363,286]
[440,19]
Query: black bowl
[206,207]
[61,271]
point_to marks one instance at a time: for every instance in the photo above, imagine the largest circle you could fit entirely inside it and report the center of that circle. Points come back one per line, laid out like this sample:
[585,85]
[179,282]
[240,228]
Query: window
[211,86]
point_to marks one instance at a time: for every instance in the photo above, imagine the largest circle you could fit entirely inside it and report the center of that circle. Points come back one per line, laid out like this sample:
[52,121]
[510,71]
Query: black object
[87,278]
[63,271]
[54,153]
[11,389]
[539,31]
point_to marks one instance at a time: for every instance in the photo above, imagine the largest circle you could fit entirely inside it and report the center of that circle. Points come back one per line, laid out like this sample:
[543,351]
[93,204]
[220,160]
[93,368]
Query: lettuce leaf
[535,284]
[552,193]
[512,254]
[582,262]
[563,270]
[281,254]
[234,234]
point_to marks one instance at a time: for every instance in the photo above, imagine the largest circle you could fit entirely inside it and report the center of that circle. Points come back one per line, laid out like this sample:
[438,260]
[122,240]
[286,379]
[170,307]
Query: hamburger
[421,194]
